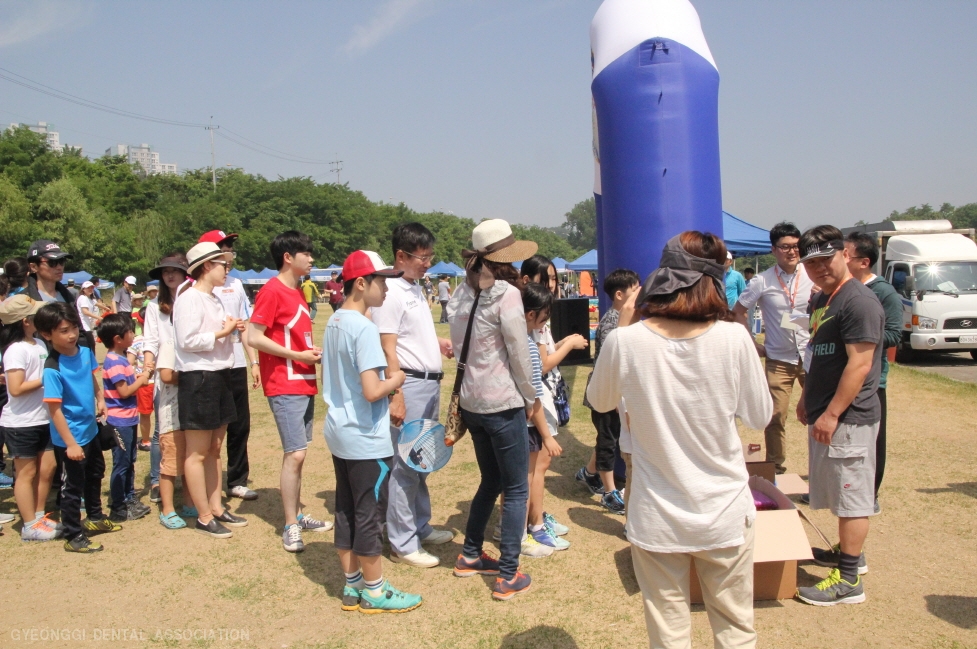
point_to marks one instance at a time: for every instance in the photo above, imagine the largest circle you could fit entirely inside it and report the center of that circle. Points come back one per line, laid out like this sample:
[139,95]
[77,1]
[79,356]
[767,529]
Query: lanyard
[835,292]
[791,298]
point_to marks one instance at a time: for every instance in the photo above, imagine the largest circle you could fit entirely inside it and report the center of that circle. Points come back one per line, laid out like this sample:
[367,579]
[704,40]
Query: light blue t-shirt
[355,428]
[735,285]
[68,379]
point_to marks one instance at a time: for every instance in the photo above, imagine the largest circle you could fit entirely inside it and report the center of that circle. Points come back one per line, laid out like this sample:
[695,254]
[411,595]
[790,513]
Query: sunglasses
[53,262]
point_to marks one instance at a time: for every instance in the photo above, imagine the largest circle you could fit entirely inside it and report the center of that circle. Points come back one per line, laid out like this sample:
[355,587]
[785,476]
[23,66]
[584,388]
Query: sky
[829,111]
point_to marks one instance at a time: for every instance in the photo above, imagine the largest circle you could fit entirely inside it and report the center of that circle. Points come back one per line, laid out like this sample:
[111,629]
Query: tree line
[116,220]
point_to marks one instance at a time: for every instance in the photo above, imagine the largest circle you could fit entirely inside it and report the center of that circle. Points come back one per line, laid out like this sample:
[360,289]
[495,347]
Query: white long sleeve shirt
[689,492]
[499,373]
[197,317]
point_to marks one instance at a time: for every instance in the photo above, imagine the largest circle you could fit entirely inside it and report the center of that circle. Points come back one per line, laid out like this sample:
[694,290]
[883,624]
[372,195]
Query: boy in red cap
[358,434]
[235,300]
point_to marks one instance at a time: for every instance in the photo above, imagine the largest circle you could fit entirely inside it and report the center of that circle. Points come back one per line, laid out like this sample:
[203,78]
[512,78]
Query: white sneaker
[437,537]
[242,492]
[7,518]
[39,530]
[418,559]
[533,548]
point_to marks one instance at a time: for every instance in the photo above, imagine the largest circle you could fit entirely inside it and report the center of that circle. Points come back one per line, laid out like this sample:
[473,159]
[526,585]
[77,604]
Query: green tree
[581,224]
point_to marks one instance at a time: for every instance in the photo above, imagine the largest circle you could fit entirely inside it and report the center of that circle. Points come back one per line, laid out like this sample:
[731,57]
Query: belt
[428,376]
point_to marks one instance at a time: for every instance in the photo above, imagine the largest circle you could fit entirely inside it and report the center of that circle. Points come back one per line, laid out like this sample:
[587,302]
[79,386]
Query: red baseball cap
[216,236]
[361,263]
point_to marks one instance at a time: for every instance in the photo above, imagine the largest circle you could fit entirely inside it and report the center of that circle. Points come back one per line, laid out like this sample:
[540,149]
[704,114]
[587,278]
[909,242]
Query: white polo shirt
[772,291]
[235,300]
[405,312]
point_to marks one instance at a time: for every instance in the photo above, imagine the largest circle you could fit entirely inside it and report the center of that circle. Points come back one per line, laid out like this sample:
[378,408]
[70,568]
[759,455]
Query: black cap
[46,249]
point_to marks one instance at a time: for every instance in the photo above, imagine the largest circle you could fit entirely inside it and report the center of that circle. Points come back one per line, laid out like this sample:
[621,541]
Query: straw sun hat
[203,252]
[493,240]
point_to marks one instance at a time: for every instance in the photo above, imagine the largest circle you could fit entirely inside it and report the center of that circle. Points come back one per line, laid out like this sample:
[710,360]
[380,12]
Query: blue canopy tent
[586,261]
[561,264]
[236,274]
[261,277]
[81,277]
[744,239]
[446,268]
[324,274]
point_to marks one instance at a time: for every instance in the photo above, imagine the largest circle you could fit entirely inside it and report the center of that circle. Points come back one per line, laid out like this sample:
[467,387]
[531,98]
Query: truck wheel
[905,354]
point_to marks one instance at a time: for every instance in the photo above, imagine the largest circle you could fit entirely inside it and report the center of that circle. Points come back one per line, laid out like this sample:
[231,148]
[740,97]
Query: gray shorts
[842,474]
[293,416]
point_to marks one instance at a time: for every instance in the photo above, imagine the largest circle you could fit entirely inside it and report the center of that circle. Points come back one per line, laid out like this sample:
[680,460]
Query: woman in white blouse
[204,358]
[686,372]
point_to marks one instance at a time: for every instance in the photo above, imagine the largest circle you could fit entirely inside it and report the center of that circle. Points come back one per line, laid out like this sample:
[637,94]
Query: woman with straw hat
[495,394]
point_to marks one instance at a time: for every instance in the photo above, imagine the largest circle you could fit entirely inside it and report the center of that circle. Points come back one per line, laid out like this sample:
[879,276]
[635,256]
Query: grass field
[152,587]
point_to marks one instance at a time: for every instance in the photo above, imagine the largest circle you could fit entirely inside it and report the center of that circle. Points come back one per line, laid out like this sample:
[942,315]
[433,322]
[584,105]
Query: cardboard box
[792,484]
[756,463]
[780,542]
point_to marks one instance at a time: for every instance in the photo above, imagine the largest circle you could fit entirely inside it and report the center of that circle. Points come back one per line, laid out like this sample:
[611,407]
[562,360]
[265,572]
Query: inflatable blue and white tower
[656,131]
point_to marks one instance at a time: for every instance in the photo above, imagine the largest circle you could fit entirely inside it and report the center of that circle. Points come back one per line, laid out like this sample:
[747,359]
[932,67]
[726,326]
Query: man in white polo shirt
[411,344]
[235,300]
[782,293]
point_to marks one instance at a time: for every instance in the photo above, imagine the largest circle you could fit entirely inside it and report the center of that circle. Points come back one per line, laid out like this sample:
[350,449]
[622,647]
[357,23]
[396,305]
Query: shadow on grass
[965,488]
[597,521]
[956,609]
[625,570]
[539,637]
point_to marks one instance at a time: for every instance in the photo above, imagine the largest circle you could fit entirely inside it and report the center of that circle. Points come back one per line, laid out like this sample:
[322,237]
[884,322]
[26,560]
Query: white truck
[933,267]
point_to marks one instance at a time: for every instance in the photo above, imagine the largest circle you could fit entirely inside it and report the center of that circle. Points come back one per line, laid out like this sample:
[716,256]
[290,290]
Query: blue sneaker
[543,537]
[591,480]
[390,600]
[507,589]
[613,502]
[6,482]
[555,528]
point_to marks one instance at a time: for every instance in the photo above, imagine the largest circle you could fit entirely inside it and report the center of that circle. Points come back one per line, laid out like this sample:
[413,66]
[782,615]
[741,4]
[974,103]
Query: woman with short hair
[686,372]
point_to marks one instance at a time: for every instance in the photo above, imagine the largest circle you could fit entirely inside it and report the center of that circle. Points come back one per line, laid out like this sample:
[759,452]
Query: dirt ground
[153,587]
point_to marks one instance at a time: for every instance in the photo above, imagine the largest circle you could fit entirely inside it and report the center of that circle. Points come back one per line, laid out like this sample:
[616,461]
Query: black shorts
[28,442]
[535,440]
[608,425]
[361,501]
[205,400]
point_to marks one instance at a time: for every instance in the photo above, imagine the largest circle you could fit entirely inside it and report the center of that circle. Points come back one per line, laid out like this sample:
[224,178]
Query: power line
[74,99]
[37,86]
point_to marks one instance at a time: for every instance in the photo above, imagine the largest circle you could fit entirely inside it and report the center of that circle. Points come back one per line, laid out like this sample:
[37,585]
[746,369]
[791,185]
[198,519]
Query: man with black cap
[46,260]
[841,409]
[235,300]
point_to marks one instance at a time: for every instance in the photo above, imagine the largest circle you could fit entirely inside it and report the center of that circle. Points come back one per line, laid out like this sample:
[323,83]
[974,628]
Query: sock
[354,579]
[300,516]
[535,528]
[848,566]
[39,514]
[373,587]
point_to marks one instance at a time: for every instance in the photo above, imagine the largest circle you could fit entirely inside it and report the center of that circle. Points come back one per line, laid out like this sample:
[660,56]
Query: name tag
[308,339]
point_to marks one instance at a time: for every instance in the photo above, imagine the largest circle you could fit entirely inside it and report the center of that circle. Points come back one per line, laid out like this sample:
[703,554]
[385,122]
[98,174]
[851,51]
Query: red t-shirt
[285,314]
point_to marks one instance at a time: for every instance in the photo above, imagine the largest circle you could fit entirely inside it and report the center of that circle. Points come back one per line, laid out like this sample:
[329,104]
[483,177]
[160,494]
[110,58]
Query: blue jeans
[155,455]
[502,451]
[122,482]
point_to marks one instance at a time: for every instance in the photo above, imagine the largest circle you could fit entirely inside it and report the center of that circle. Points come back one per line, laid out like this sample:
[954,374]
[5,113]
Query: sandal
[172,521]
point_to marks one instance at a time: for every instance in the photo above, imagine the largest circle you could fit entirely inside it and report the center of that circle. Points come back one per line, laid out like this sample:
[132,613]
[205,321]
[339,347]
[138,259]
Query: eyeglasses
[54,262]
[786,248]
[424,258]
[225,264]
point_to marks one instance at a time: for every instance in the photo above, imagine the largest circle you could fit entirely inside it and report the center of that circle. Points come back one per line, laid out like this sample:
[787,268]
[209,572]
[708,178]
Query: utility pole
[213,159]
[337,166]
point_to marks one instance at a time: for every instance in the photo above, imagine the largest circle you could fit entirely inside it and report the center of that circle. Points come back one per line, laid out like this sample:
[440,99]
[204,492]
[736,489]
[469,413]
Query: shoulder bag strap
[460,373]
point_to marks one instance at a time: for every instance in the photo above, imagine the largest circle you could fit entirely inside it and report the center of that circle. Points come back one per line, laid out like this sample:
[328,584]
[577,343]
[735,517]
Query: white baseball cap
[130,280]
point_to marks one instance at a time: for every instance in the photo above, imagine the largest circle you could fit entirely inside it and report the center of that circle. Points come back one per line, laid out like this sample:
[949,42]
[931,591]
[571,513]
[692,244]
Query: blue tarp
[81,276]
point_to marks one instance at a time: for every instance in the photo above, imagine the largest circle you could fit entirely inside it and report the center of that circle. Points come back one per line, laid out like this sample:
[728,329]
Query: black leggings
[880,446]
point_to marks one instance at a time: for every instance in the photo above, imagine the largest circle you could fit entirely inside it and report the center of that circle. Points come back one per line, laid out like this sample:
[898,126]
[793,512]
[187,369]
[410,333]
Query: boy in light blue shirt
[357,432]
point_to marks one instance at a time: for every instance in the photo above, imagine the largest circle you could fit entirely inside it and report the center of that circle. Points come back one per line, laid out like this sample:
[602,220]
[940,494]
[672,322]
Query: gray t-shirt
[854,315]
[444,291]
[123,301]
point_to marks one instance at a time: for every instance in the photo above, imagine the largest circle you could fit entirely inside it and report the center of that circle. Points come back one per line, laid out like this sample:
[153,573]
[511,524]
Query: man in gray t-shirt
[444,295]
[122,300]
[840,406]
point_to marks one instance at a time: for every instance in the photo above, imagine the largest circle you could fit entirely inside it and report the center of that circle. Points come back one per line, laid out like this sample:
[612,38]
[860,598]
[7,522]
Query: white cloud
[386,20]
[21,22]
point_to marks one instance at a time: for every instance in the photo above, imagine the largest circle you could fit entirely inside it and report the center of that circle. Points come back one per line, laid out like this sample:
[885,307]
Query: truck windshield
[950,277]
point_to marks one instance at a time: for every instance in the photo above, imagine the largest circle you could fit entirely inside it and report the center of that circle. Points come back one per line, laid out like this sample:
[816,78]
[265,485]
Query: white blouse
[197,317]
[689,491]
